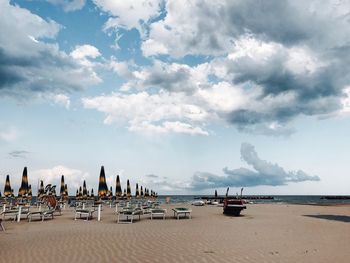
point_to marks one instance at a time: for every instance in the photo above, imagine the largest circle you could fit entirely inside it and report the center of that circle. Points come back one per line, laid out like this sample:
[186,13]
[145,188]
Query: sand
[264,233]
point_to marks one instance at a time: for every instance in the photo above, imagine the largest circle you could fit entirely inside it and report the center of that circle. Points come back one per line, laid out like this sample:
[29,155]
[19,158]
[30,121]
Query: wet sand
[264,233]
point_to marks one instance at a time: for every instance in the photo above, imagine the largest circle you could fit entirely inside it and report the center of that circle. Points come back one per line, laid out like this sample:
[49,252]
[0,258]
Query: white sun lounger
[155,212]
[128,214]
[182,211]
[85,213]
[42,215]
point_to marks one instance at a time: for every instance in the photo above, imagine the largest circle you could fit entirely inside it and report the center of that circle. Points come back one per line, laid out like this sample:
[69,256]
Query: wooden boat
[233,206]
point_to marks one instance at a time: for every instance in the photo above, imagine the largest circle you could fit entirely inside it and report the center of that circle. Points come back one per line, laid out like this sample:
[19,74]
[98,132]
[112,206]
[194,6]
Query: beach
[264,233]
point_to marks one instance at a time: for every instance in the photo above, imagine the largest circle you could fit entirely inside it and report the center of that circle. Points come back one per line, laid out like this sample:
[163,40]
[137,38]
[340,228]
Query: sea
[256,199]
[273,199]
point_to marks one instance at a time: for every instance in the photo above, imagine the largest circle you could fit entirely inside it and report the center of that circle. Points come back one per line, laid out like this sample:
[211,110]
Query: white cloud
[9,135]
[62,99]
[69,5]
[161,113]
[85,51]
[128,14]
[73,177]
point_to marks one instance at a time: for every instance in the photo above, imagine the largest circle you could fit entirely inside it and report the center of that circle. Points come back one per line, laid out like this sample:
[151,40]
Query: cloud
[152,176]
[73,177]
[150,113]
[159,183]
[282,51]
[19,154]
[69,5]
[30,62]
[263,173]
[129,14]
[9,135]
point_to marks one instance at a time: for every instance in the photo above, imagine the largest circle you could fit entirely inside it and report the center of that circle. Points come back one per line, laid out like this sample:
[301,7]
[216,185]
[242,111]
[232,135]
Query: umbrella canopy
[77,194]
[41,190]
[23,190]
[0,194]
[102,186]
[118,188]
[124,193]
[141,190]
[65,190]
[92,192]
[216,194]
[7,189]
[137,193]
[84,193]
[80,194]
[62,188]
[30,194]
[128,189]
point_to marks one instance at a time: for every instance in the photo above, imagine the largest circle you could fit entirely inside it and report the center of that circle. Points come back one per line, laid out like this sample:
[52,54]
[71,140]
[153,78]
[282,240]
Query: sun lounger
[158,212]
[182,211]
[128,214]
[85,213]
[42,215]
[9,213]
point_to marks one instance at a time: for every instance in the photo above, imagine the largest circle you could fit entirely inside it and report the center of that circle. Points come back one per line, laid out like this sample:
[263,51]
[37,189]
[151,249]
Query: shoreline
[263,233]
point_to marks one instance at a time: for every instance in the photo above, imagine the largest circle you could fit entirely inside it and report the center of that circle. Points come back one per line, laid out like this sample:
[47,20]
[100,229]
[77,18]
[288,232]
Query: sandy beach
[264,233]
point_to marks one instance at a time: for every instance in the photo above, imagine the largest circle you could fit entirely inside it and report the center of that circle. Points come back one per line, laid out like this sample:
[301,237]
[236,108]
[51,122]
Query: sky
[180,96]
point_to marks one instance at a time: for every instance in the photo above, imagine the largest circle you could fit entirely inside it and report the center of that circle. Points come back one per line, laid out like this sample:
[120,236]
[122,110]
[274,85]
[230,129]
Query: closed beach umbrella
[124,193]
[77,194]
[7,189]
[0,194]
[84,194]
[216,194]
[23,190]
[128,189]
[30,194]
[41,190]
[141,191]
[118,188]
[65,190]
[102,186]
[137,194]
[62,188]
[80,194]
[92,192]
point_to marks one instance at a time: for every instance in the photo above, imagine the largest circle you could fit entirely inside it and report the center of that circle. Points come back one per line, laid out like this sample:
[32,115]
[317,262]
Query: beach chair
[88,213]
[12,213]
[2,228]
[182,211]
[127,215]
[155,212]
[42,215]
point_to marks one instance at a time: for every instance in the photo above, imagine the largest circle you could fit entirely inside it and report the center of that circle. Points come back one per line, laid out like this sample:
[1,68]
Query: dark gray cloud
[152,176]
[263,173]
[295,50]
[19,154]
[29,64]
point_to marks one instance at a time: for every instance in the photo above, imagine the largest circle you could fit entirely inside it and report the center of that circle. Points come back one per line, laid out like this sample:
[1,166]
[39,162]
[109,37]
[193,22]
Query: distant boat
[198,203]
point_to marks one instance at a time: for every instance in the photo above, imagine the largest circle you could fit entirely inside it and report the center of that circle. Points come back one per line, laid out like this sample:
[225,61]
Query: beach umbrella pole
[19,214]
[99,213]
